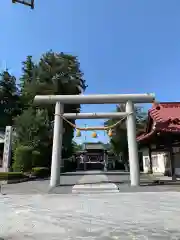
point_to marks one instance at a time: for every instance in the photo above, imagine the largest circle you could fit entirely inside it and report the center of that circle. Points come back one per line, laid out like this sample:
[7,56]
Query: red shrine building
[160,144]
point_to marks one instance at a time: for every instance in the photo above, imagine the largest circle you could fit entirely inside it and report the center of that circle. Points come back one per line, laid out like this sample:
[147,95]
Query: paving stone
[94,183]
[98,178]
[148,212]
[91,216]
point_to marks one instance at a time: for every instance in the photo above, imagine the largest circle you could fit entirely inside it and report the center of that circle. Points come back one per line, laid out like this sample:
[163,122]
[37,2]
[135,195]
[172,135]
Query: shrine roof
[165,117]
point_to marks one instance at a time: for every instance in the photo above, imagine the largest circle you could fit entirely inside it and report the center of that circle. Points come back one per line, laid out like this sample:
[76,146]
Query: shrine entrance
[92,157]
[60,116]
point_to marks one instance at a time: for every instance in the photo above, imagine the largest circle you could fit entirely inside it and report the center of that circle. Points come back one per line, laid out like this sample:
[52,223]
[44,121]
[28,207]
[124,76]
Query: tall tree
[33,130]
[62,74]
[28,82]
[55,73]
[119,139]
[9,99]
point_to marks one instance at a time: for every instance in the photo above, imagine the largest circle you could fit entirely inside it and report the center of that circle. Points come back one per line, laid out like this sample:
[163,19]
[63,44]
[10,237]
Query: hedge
[36,159]
[22,159]
[11,175]
[40,172]
[69,165]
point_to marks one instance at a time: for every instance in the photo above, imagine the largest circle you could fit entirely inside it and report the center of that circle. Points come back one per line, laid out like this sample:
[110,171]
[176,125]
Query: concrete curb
[14,181]
[28,179]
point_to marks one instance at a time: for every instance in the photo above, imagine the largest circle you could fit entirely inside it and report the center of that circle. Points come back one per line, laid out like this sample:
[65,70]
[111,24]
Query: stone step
[94,188]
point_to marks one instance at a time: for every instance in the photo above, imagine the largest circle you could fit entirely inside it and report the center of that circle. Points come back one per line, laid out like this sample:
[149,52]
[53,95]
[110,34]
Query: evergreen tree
[60,73]
[9,99]
[28,82]
[33,130]
[54,74]
[118,141]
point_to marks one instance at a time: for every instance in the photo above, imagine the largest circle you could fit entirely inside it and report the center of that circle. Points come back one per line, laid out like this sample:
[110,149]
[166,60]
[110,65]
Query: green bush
[22,159]
[36,159]
[69,165]
[11,175]
[40,172]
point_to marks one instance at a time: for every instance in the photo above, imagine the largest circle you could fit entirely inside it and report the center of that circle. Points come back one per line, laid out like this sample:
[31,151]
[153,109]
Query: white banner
[7,148]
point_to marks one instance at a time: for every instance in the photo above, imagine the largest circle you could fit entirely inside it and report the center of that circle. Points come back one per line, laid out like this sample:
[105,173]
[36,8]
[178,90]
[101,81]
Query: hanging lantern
[110,133]
[94,135]
[78,133]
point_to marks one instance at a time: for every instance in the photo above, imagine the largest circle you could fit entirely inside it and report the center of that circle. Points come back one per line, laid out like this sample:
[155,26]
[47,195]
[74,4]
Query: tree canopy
[9,99]
[118,140]
[54,73]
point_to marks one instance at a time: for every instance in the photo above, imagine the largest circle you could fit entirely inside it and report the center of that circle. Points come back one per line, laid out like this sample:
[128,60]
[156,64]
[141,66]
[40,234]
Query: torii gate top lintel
[95,98]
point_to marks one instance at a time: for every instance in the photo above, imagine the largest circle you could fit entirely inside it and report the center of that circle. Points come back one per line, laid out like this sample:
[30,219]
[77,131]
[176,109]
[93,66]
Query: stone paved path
[28,212]
[69,180]
[98,216]
[94,183]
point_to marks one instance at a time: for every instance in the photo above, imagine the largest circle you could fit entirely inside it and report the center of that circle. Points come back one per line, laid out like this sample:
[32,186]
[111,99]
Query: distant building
[94,156]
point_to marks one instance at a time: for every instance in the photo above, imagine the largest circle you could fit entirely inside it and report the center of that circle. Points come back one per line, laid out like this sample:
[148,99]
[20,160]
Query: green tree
[77,147]
[33,130]
[60,73]
[9,99]
[118,141]
[28,82]
[55,73]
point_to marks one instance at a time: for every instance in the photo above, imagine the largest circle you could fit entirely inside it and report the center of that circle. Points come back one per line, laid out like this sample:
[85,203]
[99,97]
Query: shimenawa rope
[93,128]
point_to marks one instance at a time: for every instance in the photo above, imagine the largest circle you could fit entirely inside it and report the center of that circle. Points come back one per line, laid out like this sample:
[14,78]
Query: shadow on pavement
[161,182]
[99,182]
[94,173]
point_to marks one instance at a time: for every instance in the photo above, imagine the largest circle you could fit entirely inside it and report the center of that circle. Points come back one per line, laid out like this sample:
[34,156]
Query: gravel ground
[97,216]
[149,212]
[70,179]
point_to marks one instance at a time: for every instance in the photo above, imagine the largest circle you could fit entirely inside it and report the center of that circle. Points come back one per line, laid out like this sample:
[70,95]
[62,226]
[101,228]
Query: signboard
[7,148]
[94,146]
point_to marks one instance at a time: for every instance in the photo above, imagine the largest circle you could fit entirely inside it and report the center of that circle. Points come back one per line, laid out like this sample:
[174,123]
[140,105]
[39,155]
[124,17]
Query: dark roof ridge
[164,103]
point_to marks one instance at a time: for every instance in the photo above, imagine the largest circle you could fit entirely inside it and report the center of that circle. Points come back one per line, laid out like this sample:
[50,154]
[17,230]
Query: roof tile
[166,116]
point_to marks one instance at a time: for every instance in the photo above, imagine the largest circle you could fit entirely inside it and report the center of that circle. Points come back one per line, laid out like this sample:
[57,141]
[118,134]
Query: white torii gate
[128,99]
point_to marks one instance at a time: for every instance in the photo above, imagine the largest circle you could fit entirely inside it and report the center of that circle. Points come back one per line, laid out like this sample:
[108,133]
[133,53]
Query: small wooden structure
[92,157]
[95,157]
[29,3]
[160,144]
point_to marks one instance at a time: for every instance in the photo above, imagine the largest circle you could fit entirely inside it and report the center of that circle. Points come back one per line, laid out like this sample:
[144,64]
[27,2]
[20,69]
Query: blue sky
[123,46]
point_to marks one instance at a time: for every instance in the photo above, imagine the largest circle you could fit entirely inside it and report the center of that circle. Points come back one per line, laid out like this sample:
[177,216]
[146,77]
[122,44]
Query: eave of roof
[164,115]
[145,136]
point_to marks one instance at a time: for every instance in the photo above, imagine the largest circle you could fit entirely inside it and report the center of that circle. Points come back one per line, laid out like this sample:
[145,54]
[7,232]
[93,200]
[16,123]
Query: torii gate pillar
[132,145]
[57,146]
